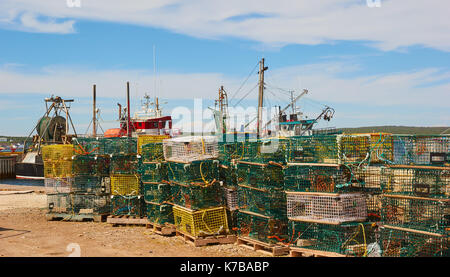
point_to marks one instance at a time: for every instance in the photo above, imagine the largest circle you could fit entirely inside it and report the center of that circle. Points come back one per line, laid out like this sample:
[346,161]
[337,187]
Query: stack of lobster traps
[193,173]
[416,198]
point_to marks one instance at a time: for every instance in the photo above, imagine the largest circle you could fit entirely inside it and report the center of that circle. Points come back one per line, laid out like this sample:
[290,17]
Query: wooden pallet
[75,217]
[303,252]
[262,247]
[208,240]
[117,220]
[163,230]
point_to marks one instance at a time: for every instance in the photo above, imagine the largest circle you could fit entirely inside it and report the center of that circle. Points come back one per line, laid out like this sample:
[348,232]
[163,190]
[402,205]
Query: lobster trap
[196,172]
[326,208]
[149,139]
[159,213]
[426,214]
[228,175]
[190,148]
[88,146]
[120,145]
[91,165]
[153,172]
[418,181]
[127,185]
[57,152]
[59,203]
[365,177]
[422,150]
[365,148]
[261,227]
[374,204]
[58,185]
[259,175]
[197,196]
[91,184]
[127,205]
[265,150]
[205,222]
[124,164]
[398,242]
[58,169]
[269,202]
[351,239]
[312,149]
[157,192]
[152,152]
[90,203]
[317,178]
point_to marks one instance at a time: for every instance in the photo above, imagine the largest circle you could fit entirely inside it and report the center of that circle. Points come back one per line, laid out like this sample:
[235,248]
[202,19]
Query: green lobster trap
[59,203]
[120,146]
[153,172]
[262,228]
[196,172]
[89,146]
[259,175]
[91,184]
[422,150]
[312,149]
[421,181]
[427,214]
[228,175]
[91,165]
[350,239]
[205,222]
[197,196]
[398,242]
[124,164]
[374,205]
[152,152]
[127,205]
[157,192]
[269,202]
[159,213]
[90,203]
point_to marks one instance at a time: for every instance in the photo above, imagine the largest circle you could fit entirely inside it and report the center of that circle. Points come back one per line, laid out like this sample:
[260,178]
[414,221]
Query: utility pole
[292,101]
[128,111]
[94,120]
[260,96]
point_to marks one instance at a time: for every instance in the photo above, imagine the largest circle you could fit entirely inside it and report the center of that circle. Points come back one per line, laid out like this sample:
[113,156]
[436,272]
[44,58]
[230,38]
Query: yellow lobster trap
[205,222]
[57,152]
[125,185]
[145,139]
[58,169]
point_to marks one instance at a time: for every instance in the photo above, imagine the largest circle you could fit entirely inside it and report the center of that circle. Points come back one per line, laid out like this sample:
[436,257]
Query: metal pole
[260,96]
[128,110]
[94,126]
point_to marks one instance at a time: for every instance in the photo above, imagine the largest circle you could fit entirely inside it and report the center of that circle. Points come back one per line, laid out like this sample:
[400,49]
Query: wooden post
[260,96]
[128,110]
[94,127]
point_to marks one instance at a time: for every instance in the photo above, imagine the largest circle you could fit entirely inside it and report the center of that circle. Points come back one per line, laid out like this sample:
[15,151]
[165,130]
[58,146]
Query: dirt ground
[24,232]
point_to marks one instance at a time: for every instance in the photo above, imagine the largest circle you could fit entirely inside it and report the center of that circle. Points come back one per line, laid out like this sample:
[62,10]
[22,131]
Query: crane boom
[305,91]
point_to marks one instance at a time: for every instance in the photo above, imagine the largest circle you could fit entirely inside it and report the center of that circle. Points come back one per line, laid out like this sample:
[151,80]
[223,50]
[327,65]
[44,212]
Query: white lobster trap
[58,185]
[190,148]
[328,208]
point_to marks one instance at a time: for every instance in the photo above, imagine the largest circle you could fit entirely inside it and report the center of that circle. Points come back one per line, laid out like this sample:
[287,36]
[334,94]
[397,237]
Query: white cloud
[394,25]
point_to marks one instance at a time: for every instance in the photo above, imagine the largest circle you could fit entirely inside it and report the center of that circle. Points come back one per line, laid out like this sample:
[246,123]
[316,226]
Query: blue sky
[375,66]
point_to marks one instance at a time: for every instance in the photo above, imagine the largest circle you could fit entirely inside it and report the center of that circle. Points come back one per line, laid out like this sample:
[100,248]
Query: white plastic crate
[190,148]
[326,208]
[231,198]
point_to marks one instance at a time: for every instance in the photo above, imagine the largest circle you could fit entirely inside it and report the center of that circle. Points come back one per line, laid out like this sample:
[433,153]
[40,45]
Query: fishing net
[124,164]
[260,175]
[431,215]
[269,202]
[152,152]
[353,239]
[91,165]
[262,228]
[191,148]
[127,205]
[198,172]
[205,222]
[422,182]
[421,150]
[153,172]
[159,213]
[197,196]
[157,193]
[402,243]
[326,208]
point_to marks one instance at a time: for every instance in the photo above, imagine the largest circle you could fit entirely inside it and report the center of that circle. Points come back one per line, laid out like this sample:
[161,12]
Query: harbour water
[21,182]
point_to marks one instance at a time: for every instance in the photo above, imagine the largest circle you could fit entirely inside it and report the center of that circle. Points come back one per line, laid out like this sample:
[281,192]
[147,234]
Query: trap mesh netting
[353,239]
[401,243]
[58,185]
[127,205]
[120,146]
[263,228]
[432,215]
[422,150]
[157,193]
[197,196]
[260,175]
[199,172]
[150,140]
[192,148]
[203,222]
[152,152]
[91,184]
[313,149]
[124,164]
[159,213]
[420,182]
[58,169]
[75,203]
[269,202]
[153,172]
[92,165]
[89,146]
[125,185]
[331,208]
[57,152]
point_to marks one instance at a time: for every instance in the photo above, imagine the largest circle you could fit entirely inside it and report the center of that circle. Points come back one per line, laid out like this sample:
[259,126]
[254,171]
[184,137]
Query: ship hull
[31,171]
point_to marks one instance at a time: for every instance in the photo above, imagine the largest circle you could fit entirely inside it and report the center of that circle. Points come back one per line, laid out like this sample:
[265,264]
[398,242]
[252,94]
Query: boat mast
[94,125]
[260,96]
